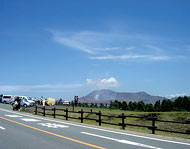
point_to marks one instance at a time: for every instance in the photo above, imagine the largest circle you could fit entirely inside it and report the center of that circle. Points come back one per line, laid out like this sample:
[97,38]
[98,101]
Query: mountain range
[106,96]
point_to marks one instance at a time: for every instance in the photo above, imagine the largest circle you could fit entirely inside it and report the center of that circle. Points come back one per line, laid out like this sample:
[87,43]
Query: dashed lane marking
[30,120]
[122,141]
[13,115]
[50,125]
[101,129]
[41,130]
[2,128]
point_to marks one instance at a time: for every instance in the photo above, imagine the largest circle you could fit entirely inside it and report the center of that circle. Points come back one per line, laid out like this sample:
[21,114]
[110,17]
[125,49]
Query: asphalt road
[24,131]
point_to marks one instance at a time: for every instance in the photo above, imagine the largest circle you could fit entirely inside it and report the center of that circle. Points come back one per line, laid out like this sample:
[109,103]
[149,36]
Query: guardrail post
[36,110]
[123,121]
[100,118]
[81,115]
[153,124]
[66,113]
[91,110]
[44,111]
[54,112]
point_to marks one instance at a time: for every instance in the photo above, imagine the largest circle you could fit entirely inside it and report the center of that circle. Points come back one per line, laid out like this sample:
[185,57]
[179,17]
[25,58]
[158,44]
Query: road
[20,131]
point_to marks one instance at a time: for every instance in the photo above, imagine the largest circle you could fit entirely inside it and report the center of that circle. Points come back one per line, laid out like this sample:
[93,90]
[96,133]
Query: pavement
[19,130]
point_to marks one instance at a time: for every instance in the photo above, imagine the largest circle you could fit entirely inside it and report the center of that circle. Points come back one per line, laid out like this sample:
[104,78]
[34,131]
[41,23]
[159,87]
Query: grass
[173,116]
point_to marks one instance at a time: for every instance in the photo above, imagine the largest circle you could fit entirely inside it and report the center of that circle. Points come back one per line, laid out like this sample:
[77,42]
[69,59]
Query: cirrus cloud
[38,88]
[127,57]
[118,46]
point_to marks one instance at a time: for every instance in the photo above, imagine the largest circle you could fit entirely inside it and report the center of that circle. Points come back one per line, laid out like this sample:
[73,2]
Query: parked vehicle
[11,101]
[7,98]
[1,98]
[25,103]
[32,100]
[65,102]
[27,100]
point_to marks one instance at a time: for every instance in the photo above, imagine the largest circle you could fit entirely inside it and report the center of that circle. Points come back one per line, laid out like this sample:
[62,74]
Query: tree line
[179,104]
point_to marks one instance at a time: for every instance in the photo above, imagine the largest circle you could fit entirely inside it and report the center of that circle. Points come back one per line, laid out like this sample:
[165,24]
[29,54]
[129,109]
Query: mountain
[105,96]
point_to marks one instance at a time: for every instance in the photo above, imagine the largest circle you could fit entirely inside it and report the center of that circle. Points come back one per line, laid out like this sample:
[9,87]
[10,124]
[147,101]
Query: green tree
[119,105]
[167,105]
[116,104]
[92,105]
[124,105]
[186,103]
[178,104]
[86,105]
[102,105]
[140,106]
[95,105]
[157,106]
[149,107]
[132,106]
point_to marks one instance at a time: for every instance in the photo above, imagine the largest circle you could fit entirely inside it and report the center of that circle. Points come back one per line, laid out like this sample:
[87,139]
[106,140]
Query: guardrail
[100,121]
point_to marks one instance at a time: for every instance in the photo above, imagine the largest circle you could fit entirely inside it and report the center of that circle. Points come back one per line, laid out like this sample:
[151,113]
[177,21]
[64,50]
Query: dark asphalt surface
[59,134]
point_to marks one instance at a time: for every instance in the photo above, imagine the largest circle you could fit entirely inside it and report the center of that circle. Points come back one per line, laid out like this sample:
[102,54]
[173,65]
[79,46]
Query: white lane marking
[29,120]
[13,115]
[122,133]
[2,128]
[50,125]
[122,141]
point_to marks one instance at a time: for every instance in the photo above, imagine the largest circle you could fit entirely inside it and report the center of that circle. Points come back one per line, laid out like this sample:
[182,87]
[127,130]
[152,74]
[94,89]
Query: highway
[20,130]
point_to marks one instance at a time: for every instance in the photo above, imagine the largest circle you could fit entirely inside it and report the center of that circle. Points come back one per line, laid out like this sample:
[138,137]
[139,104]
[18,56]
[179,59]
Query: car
[7,98]
[1,98]
[11,101]
[31,100]
[26,99]
[25,103]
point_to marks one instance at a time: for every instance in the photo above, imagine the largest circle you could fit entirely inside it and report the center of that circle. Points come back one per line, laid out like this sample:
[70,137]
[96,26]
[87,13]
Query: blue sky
[59,48]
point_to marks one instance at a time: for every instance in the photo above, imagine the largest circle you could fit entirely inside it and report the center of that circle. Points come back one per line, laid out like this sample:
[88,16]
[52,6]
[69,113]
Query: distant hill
[105,96]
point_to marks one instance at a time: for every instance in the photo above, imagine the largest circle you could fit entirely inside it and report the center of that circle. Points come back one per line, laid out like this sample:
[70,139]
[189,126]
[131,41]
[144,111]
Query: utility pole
[72,103]
[75,102]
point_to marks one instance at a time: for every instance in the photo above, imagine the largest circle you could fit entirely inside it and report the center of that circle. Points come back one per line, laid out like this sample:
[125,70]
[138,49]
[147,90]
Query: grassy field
[174,116]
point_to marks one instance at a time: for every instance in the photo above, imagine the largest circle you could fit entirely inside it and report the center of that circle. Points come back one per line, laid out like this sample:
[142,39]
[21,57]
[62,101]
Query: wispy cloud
[45,88]
[106,49]
[115,46]
[73,44]
[187,47]
[130,48]
[92,42]
[37,88]
[127,57]
[154,48]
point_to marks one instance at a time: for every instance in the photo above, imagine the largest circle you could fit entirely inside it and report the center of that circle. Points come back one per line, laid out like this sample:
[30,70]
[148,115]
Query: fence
[122,118]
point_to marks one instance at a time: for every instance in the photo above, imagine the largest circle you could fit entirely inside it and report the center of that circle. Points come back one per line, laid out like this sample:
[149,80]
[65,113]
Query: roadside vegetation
[181,114]
[179,104]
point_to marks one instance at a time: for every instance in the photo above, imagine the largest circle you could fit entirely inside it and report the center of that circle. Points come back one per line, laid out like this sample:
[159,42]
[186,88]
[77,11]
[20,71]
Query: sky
[62,49]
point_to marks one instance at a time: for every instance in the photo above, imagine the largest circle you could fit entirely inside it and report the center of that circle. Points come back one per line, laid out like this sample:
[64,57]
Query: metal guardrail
[100,121]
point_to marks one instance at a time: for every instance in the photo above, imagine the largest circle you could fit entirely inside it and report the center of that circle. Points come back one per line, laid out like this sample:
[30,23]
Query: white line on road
[122,141]
[30,120]
[2,128]
[13,115]
[50,125]
[101,129]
